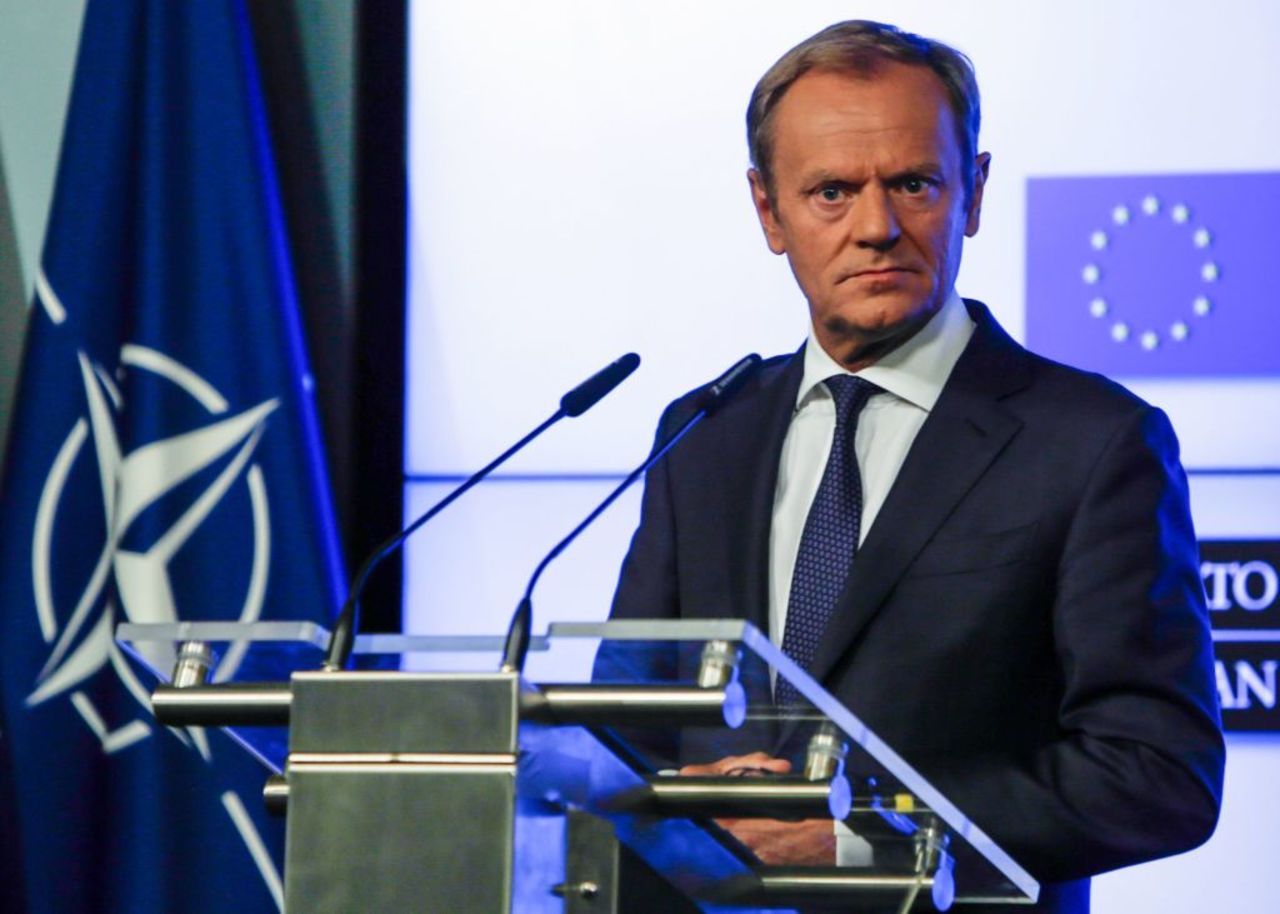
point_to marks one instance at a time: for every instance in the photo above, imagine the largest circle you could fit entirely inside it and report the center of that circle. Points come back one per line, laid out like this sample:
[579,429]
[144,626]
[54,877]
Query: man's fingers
[740,765]
[811,842]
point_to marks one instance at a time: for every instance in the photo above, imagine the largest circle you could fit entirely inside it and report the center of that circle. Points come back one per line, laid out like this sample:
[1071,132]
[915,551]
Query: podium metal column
[401,792]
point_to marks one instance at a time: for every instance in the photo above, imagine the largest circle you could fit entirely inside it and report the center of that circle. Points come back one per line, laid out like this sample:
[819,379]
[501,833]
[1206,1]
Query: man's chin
[867,334]
[882,318]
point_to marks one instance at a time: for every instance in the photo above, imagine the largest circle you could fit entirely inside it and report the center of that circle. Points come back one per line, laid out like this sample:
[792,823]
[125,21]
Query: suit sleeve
[648,586]
[1135,770]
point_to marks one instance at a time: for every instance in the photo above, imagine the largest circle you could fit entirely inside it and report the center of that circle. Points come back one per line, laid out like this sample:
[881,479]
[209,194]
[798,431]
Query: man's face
[869,203]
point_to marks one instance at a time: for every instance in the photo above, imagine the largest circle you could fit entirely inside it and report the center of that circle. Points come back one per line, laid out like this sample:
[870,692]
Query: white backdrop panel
[1230,873]
[1223,423]
[1236,507]
[577,185]
[577,191]
[467,569]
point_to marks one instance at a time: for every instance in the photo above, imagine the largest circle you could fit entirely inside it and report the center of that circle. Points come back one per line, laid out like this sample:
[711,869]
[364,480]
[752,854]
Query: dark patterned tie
[830,536]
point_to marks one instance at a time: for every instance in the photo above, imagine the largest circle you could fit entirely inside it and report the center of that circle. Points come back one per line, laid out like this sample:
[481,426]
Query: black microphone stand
[572,404]
[709,400]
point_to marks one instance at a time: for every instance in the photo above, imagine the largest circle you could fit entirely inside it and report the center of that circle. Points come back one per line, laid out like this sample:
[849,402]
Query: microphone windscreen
[593,389]
[715,394]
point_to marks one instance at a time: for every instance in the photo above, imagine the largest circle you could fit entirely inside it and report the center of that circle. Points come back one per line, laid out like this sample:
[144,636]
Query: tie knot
[850,393]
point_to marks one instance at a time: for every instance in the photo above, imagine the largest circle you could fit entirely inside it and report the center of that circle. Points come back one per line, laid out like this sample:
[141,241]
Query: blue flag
[1155,276]
[163,465]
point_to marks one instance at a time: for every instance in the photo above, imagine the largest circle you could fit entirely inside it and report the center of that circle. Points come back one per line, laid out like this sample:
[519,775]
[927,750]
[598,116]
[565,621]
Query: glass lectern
[426,781]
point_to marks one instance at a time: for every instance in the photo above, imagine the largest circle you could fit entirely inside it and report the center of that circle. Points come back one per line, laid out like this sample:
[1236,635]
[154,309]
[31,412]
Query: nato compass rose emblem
[79,632]
[1109,290]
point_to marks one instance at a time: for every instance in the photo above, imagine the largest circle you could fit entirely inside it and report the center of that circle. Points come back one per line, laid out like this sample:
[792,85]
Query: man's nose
[873,222]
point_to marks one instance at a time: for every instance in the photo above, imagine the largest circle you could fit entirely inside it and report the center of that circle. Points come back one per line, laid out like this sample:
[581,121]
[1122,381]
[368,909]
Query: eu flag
[163,465]
[1155,276]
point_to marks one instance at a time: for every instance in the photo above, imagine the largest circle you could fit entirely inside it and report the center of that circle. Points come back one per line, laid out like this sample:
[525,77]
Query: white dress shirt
[911,377]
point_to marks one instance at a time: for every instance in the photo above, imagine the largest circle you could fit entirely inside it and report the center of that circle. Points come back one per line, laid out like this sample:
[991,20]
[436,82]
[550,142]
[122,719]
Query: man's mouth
[873,273]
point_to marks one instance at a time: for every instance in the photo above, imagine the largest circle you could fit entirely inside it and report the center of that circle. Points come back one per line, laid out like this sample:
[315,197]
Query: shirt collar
[916,371]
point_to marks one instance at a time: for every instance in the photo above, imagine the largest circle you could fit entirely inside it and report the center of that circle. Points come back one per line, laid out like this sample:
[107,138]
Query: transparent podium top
[771,706]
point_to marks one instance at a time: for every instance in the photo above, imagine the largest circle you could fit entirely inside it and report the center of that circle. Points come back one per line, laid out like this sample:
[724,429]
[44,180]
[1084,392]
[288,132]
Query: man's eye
[914,186]
[831,194]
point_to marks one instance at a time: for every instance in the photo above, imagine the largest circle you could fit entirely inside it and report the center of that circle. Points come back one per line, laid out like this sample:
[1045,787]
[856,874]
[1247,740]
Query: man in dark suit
[986,555]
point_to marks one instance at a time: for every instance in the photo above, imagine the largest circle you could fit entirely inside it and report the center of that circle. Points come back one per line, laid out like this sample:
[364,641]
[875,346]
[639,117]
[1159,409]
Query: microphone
[574,403]
[593,389]
[708,401]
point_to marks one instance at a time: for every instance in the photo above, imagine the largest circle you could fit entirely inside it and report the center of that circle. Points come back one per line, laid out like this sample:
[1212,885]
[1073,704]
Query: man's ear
[981,168]
[765,211]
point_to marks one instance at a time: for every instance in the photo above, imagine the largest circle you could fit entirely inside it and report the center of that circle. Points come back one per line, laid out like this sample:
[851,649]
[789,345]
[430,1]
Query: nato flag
[1155,276]
[163,465]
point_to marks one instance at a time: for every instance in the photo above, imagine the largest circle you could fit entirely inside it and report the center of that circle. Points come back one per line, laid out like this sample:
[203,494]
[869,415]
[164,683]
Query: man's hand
[809,842]
[753,765]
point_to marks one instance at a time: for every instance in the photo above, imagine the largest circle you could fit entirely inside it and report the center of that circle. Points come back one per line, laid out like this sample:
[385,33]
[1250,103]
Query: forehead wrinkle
[887,151]
[848,119]
[885,162]
[832,131]
[835,121]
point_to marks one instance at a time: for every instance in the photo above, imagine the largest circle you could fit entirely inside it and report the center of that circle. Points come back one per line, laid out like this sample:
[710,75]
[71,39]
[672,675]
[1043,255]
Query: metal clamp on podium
[431,787]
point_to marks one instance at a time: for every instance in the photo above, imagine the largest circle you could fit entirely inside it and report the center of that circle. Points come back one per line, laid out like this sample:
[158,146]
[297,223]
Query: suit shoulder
[995,361]
[1068,406]
[1077,390]
[1087,413]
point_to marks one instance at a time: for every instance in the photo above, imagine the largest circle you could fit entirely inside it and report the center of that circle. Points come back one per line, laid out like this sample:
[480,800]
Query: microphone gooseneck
[710,399]
[574,403]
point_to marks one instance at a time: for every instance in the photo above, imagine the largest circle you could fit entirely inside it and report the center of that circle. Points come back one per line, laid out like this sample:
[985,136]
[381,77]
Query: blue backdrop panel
[1161,275]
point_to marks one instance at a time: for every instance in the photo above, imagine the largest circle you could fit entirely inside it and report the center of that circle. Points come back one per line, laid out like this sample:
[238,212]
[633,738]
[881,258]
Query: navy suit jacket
[1025,620]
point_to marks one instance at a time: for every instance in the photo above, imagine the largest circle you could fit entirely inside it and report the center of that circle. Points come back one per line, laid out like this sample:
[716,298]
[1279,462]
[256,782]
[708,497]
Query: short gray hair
[859,46]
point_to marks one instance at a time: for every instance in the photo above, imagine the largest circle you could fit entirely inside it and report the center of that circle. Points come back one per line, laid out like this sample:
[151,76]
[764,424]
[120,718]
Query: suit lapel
[963,435]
